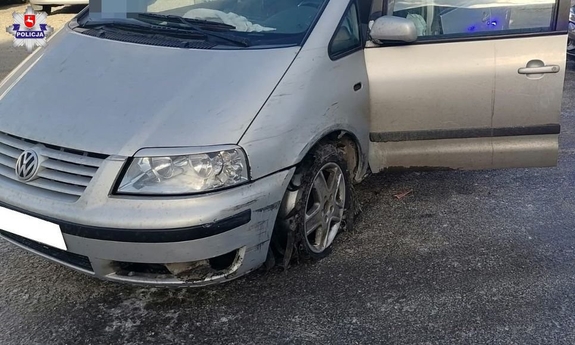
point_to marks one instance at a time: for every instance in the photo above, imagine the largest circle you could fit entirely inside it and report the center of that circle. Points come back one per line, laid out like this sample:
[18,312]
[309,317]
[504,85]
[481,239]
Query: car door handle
[539,70]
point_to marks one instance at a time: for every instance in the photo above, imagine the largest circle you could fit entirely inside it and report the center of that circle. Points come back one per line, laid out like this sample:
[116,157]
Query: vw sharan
[198,140]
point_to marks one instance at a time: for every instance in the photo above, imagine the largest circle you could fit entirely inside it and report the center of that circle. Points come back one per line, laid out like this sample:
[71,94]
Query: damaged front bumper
[197,252]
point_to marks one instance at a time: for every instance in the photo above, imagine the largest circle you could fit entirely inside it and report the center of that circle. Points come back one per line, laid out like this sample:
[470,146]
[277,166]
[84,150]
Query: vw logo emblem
[27,165]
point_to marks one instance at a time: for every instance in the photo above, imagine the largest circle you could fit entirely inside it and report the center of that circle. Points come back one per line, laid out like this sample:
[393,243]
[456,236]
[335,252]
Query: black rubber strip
[148,235]
[70,258]
[160,235]
[464,133]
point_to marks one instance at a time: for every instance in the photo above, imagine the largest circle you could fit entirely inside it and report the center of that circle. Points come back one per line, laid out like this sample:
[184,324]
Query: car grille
[64,173]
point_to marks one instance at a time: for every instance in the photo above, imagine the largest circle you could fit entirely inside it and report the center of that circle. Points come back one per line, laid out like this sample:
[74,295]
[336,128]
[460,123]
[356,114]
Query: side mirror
[393,29]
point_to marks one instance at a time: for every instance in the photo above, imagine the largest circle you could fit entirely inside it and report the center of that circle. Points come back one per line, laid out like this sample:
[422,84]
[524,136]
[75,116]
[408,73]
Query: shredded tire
[288,242]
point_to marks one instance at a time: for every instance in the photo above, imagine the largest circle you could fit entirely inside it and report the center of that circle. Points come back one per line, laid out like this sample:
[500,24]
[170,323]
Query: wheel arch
[356,158]
[356,155]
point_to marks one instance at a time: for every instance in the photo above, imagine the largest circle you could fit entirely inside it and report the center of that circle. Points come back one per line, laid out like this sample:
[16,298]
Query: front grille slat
[15,142]
[58,187]
[70,168]
[64,177]
[8,162]
[71,158]
[64,173]
[9,151]
[45,184]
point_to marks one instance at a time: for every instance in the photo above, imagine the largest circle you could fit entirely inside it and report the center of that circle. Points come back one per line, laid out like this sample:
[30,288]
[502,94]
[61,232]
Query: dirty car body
[192,132]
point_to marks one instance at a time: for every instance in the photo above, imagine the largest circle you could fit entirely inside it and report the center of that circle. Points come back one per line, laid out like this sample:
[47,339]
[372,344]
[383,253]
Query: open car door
[480,88]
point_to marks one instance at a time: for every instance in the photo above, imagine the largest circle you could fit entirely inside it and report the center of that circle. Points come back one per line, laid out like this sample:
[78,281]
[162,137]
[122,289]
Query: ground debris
[402,195]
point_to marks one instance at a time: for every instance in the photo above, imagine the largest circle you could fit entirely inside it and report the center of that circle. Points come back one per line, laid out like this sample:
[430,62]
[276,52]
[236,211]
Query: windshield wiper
[202,26]
[143,27]
[208,24]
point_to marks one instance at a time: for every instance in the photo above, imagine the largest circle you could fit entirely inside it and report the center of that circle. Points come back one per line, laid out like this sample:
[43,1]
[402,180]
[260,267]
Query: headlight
[185,174]
[572,15]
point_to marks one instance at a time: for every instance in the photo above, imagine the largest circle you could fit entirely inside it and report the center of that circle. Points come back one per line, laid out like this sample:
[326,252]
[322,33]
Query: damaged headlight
[185,174]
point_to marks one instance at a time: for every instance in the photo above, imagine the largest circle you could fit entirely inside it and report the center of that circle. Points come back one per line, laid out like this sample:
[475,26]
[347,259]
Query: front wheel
[323,204]
[323,209]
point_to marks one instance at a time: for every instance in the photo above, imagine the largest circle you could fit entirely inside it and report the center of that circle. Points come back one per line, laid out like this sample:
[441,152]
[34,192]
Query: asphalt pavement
[483,257]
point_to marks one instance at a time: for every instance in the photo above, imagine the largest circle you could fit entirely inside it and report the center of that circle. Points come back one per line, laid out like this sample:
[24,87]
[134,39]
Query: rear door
[481,88]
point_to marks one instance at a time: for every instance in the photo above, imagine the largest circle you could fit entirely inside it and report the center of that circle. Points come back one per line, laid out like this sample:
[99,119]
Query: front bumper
[131,239]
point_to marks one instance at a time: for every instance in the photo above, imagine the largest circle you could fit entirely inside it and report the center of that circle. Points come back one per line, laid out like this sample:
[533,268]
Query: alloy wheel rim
[325,206]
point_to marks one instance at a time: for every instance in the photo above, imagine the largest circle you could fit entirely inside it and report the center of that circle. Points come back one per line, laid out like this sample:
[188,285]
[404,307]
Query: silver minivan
[199,140]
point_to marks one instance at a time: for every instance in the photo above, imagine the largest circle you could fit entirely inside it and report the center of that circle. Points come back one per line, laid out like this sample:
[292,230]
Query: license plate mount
[32,228]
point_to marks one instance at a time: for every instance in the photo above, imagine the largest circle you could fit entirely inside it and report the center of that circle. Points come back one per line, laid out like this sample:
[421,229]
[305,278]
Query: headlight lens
[572,15]
[185,174]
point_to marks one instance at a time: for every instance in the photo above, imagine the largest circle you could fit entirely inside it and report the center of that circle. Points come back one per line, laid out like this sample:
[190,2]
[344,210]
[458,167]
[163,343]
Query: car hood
[112,97]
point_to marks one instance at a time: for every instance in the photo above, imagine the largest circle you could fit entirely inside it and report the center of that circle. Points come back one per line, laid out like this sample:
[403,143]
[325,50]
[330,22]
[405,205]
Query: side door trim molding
[464,133]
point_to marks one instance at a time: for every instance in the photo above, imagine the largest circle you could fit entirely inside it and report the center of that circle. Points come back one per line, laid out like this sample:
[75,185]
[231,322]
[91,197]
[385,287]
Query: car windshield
[271,19]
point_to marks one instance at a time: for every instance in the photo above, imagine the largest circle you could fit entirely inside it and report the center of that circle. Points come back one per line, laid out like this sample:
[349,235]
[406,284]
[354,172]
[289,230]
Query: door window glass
[452,18]
[347,37]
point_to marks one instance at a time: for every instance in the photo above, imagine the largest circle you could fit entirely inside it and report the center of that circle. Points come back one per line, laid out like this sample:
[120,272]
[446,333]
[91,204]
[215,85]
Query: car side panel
[315,97]
[528,100]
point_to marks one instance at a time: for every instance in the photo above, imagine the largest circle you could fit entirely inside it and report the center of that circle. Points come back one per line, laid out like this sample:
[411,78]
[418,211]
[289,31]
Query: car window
[264,16]
[436,19]
[242,23]
[347,37]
